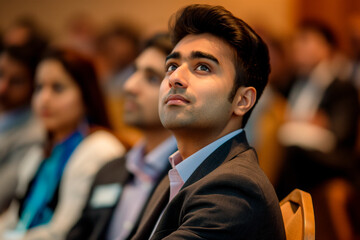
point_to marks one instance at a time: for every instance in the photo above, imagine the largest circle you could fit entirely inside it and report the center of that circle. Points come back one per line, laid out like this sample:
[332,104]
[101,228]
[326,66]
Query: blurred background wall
[275,15]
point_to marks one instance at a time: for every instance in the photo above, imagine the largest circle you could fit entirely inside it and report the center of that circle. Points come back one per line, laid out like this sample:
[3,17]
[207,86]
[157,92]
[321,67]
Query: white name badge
[105,195]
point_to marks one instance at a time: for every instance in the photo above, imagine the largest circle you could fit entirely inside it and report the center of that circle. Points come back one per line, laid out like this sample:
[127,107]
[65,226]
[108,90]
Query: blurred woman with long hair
[54,181]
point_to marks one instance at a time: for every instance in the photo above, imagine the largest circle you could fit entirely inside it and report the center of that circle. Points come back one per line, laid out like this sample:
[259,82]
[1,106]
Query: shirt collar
[151,165]
[187,166]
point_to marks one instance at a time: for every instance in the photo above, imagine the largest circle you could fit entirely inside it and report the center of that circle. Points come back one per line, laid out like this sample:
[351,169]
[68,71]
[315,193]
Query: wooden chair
[298,214]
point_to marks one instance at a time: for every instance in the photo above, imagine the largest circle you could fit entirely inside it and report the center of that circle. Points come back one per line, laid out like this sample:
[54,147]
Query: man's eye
[203,68]
[153,79]
[171,68]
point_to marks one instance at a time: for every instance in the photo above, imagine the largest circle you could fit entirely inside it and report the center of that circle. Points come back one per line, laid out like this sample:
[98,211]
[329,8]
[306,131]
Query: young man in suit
[216,189]
[122,187]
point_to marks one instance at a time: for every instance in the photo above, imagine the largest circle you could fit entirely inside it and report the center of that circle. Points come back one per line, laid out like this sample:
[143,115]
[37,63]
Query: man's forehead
[151,56]
[205,43]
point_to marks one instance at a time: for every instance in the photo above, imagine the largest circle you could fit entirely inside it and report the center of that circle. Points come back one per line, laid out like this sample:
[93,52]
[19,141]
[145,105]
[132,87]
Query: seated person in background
[25,30]
[54,181]
[122,187]
[117,47]
[320,130]
[216,189]
[19,129]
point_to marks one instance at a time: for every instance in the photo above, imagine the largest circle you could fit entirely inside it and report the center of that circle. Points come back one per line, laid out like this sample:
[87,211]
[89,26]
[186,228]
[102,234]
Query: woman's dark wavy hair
[251,53]
[82,70]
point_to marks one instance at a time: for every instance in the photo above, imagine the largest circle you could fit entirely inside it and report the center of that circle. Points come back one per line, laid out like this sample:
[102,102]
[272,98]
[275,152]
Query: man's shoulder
[111,172]
[235,188]
[241,169]
[99,147]
[240,174]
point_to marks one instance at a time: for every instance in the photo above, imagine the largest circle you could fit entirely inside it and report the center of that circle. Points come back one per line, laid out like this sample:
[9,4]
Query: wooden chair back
[298,215]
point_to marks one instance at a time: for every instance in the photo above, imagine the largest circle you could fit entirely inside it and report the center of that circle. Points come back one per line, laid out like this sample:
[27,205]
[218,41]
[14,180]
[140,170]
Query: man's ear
[244,100]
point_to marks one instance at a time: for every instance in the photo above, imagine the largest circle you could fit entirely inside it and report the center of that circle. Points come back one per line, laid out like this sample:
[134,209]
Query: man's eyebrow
[193,55]
[175,55]
[199,54]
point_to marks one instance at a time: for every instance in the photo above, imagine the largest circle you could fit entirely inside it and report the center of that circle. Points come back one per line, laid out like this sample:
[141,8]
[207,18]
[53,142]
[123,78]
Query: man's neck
[188,144]
[154,137]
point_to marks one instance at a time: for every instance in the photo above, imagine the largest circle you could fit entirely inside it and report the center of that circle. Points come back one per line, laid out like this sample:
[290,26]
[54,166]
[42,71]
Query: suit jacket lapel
[154,209]
[224,153]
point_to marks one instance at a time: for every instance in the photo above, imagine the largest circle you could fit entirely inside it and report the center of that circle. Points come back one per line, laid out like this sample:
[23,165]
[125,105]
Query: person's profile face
[199,77]
[15,84]
[142,90]
[308,49]
[57,99]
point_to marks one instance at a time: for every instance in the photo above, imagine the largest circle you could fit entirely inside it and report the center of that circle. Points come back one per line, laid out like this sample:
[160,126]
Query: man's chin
[133,121]
[129,120]
[174,125]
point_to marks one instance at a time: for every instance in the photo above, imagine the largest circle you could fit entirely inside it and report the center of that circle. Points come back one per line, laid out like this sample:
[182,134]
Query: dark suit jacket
[95,221]
[227,197]
[341,105]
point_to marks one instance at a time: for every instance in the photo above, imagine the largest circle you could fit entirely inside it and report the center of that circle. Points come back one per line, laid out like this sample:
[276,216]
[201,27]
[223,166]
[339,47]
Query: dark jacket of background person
[95,220]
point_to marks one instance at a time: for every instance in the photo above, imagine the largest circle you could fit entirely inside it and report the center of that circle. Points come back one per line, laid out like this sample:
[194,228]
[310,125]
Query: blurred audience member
[130,180]
[268,116]
[322,120]
[54,180]
[117,47]
[354,32]
[80,33]
[19,129]
[25,31]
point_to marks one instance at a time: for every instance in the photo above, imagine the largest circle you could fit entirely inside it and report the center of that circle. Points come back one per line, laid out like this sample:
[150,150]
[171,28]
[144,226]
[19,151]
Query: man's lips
[176,100]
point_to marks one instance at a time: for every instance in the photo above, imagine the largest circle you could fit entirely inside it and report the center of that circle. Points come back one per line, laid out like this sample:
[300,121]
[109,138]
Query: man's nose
[133,83]
[179,78]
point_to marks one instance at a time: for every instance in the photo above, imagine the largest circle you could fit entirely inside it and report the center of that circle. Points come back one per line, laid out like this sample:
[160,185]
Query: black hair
[160,41]
[251,53]
[27,55]
[321,28]
[126,30]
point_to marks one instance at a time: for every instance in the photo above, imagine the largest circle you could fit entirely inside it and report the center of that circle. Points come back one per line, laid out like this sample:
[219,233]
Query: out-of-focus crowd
[61,103]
